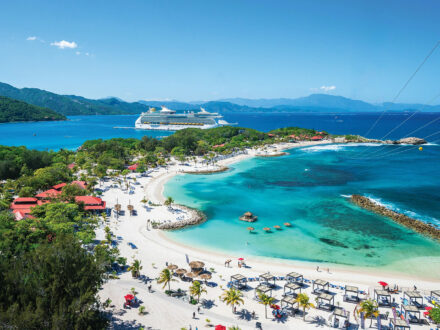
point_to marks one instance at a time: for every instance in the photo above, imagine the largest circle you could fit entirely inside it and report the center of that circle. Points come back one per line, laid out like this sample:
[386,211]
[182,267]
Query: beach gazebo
[399,324]
[295,277]
[339,312]
[289,301]
[382,297]
[351,294]
[238,281]
[410,311]
[326,301]
[414,298]
[435,293]
[263,288]
[248,217]
[319,286]
[292,286]
[266,278]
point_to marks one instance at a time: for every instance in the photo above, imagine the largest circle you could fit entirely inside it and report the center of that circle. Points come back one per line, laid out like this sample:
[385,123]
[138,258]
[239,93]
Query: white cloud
[78,53]
[32,38]
[328,88]
[87,54]
[64,44]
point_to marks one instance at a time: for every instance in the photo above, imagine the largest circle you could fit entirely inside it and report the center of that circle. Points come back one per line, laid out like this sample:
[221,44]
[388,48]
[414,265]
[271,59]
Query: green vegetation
[232,297]
[165,278]
[265,300]
[303,301]
[370,308]
[434,314]
[196,289]
[70,105]
[12,110]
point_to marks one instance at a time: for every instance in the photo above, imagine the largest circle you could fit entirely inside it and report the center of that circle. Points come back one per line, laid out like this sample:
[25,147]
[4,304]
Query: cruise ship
[168,120]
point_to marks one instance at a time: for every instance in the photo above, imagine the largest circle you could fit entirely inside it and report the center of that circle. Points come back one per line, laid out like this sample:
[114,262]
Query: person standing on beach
[317,268]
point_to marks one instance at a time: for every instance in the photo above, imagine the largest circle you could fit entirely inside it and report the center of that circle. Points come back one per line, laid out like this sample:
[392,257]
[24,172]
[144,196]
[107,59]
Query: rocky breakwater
[414,224]
[360,139]
[409,140]
[196,217]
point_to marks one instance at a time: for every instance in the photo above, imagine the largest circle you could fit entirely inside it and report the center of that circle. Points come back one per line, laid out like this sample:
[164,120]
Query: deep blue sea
[72,133]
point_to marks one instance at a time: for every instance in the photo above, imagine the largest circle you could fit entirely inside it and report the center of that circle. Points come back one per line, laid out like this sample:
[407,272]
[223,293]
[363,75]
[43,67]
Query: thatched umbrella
[277,227]
[196,264]
[118,207]
[181,271]
[172,267]
[266,229]
[287,224]
[205,276]
[250,229]
[191,275]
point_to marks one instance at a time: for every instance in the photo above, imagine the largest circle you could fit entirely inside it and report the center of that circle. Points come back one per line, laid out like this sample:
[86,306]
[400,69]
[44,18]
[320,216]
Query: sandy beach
[155,250]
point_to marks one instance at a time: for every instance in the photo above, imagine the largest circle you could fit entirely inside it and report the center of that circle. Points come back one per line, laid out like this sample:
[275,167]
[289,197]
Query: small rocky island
[414,224]
[248,217]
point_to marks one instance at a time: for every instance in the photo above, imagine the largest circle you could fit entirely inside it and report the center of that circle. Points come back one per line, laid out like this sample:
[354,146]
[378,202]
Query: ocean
[308,188]
[72,133]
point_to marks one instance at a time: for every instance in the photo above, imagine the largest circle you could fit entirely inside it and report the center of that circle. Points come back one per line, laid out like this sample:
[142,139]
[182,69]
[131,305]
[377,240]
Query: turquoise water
[307,188]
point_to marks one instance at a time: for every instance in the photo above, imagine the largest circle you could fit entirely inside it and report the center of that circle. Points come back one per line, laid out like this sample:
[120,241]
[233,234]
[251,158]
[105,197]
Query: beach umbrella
[250,229]
[196,264]
[220,327]
[287,224]
[382,283]
[428,308]
[277,227]
[129,297]
[191,275]
[172,267]
[275,306]
[240,259]
[266,229]
[180,271]
[205,276]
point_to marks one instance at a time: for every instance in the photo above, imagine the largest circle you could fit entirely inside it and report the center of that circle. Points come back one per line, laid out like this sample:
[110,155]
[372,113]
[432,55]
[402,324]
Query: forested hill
[70,105]
[13,110]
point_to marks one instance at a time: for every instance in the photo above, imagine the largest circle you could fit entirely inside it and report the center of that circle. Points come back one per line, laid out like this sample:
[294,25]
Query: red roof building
[48,194]
[270,135]
[133,167]
[91,203]
[81,184]
[316,138]
[59,186]
[218,146]
[21,207]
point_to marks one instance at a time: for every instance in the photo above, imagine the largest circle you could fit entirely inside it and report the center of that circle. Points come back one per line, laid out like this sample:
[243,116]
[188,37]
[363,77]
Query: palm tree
[165,277]
[303,301]
[232,297]
[196,289]
[135,268]
[265,300]
[169,201]
[370,308]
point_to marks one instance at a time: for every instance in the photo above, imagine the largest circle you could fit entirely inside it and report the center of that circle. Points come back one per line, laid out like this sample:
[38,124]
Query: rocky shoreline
[196,217]
[272,155]
[414,224]
[359,139]
[221,169]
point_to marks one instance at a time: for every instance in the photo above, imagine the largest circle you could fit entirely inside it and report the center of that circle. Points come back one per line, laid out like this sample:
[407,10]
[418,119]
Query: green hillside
[13,110]
[71,105]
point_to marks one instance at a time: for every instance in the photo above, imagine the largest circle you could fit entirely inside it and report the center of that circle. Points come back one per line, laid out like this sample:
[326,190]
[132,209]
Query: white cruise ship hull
[153,127]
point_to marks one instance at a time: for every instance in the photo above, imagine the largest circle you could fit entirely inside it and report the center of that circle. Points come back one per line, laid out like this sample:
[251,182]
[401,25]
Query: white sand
[154,248]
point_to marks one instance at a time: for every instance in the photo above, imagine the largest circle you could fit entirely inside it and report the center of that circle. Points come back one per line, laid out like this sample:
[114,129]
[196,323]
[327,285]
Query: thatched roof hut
[248,217]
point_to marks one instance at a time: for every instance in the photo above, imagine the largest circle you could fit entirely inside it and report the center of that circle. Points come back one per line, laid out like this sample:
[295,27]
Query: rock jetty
[360,139]
[196,217]
[414,224]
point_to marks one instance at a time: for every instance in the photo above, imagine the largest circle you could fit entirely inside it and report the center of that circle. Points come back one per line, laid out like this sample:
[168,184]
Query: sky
[207,50]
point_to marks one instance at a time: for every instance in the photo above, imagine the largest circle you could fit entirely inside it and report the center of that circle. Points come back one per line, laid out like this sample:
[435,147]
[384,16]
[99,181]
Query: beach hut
[326,301]
[295,277]
[351,294]
[289,302]
[238,281]
[292,289]
[266,278]
[399,324]
[263,288]
[382,297]
[414,298]
[248,217]
[410,312]
[320,286]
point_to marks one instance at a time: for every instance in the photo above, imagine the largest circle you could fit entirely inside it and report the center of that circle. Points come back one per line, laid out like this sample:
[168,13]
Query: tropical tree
[370,308]
[232,297]
[265,300]
[135,268]
[165,278]
[303,301]
[196,289]
[169,201]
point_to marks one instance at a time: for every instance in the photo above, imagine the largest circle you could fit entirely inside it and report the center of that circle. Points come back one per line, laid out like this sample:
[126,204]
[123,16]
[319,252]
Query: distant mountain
[13,110]
[71,104]
[327,103]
